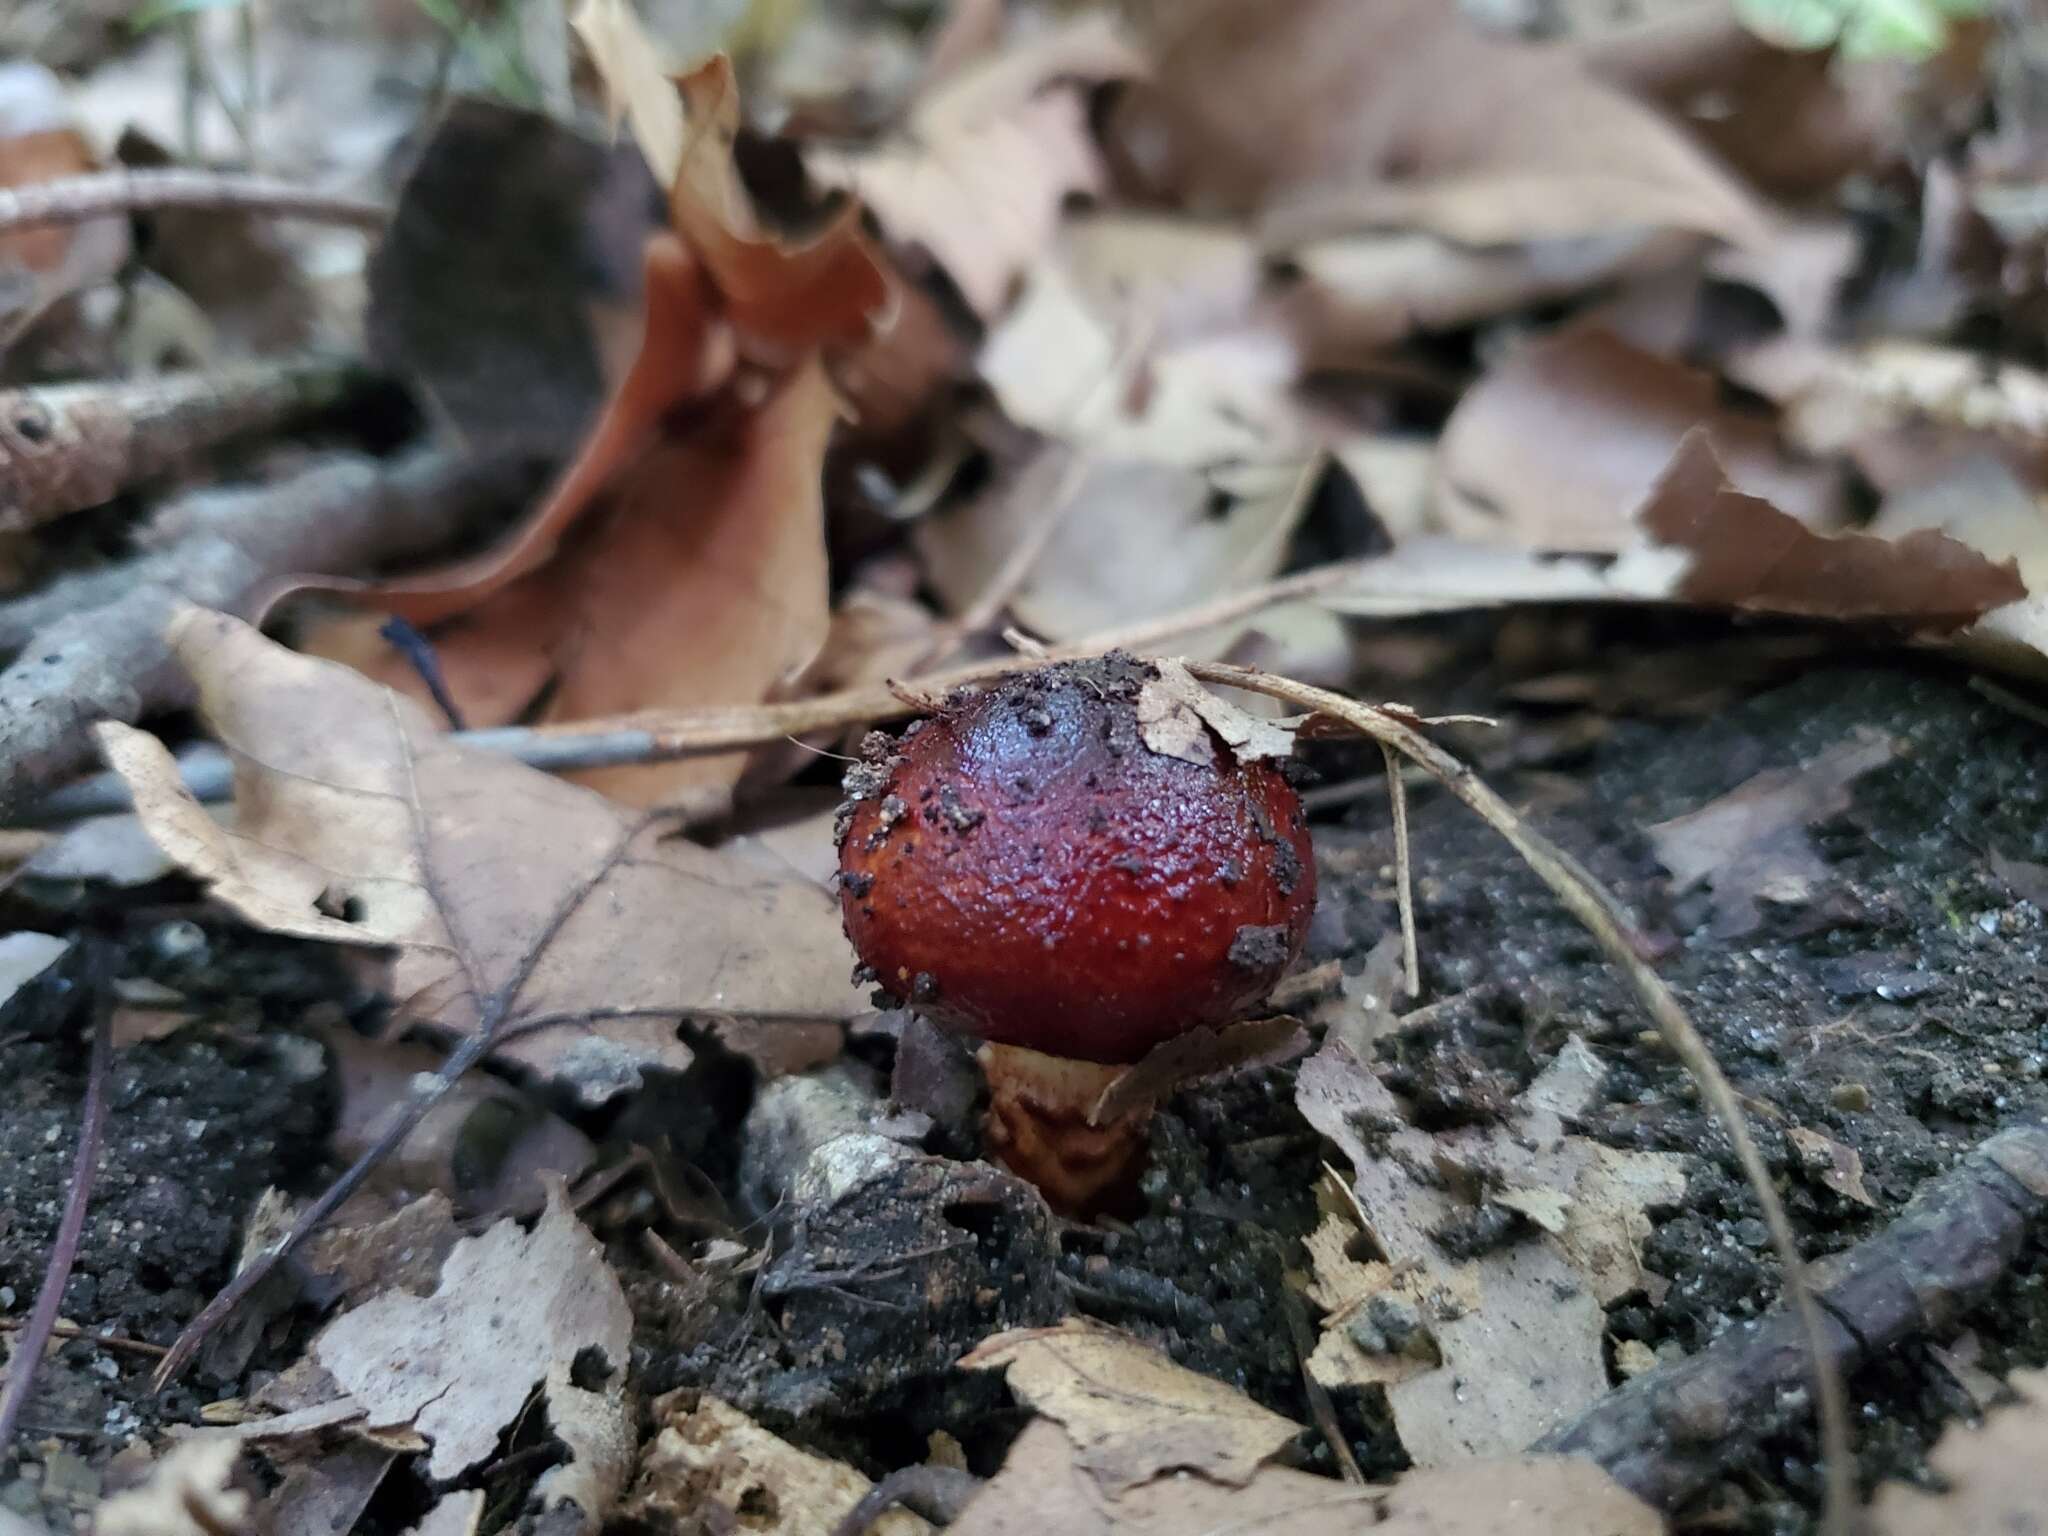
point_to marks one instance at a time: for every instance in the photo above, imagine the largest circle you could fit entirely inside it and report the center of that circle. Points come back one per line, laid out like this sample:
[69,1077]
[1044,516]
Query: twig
[78,198]
[1321,1409]
[939,1494]
[114,1341]
[93,647]
[64,447]
[495,1027]
[42,1321]
[1671,1432]
[1404,875]
[649,736]
[1601,916]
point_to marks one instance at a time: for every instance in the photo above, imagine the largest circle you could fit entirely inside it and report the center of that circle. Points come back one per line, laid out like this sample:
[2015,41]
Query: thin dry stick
[1599,913]
[652,736]
[1397,797]
[42,1321]
[78,198]
[113,1341]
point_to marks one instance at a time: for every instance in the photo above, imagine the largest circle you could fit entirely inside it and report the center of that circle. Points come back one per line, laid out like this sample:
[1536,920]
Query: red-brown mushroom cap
[1024,868]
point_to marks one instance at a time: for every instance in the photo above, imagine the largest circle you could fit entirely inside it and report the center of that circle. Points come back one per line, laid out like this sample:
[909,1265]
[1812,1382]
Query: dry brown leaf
[38,143]
[1557,447]
[187,1493]
[680,558]
[1357,294]
[1043,1486]
[1408,116]
[715,1461]
[1840,1168]
[1176,715]
[1130,1412]
[513,1310]
[1997,1477]
[1744,553]
[1752,842]
[1135,539]
[1512,1339]
[979,174]
[350,801]
[1181,367]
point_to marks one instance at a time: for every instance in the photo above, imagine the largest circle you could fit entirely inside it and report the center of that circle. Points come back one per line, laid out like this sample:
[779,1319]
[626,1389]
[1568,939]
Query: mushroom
[1021,867]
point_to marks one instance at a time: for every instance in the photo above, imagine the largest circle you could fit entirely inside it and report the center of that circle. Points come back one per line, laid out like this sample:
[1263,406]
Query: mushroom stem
[1039,1125]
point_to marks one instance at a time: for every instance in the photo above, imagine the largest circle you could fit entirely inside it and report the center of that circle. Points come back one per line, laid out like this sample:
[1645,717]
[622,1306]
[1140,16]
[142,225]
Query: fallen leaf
[1557,447]
[512,239]
[1752,842]
[980,172]
[350,801]
[39,142]
[455,1514]
[1176,715]
[25,956]
[716,1466]
[1840,1168]
[1044,1486]
[1130,1412]
[1996,1477]
[485,1144]
[1112,371]
[1510,1341]
[680,557]
[187,1493]
[1198,1054]
[1419,120]
[513,1310]
[1135,538]
[1744,553]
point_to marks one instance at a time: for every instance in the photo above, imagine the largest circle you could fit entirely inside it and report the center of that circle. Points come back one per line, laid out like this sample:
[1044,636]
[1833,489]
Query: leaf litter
[1292,233]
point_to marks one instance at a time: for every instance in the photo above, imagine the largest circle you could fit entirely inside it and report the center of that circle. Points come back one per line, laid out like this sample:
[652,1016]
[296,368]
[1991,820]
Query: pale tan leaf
[512,1311]
[186,1494]
[638,88]
[986,162]
[1138,538]
[1510,1340]
[1044,1486]
[1407,115]
[1173,698]
[1840,1168]
[716,1466]
[358,821]
[1131,1412]
[1997,1477]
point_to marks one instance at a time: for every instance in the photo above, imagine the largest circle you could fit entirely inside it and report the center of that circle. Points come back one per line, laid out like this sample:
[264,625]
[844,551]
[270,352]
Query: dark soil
[1898,1012]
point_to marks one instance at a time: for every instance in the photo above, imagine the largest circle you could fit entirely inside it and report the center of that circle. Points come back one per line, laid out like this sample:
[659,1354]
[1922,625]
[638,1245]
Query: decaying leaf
[25,956]
[514,1312]
[680,558]
[1044,1486]
[485,1144]
[1752,842]
[714,1462]
[1419,120]
[980,172]
[1176,715]
[1557,447]
[1996,1475]
[359,823]
[1131,1413]
[1136,538]
[1840,1168]
[1479,1355]
[39,142]
[186,1494]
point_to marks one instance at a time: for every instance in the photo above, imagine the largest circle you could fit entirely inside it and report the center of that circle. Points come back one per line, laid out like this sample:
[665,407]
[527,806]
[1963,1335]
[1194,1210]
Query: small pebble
[1850,1098]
